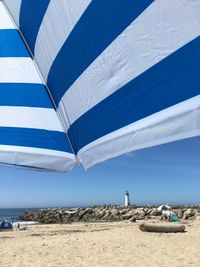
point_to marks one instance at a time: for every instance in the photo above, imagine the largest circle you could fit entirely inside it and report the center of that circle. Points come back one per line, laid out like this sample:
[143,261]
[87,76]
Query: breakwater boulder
[103,213]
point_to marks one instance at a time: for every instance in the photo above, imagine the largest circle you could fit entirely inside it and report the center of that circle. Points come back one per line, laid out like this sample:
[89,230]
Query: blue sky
[168,173]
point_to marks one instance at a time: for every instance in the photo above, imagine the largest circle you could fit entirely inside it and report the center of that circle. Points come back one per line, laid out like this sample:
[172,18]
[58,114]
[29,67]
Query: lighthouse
[127,202]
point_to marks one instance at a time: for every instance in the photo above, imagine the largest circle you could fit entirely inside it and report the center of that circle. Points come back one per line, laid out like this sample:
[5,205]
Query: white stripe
[159,31]
[47,159]
[175,123]
[5,21]
[59,20]
[29,117]
[14,8]
[18,70]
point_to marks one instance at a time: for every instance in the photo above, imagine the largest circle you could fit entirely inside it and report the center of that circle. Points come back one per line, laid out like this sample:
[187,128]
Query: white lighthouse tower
[127,202]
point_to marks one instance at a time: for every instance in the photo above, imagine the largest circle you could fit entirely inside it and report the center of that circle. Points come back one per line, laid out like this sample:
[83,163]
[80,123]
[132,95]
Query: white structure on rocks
[127,202]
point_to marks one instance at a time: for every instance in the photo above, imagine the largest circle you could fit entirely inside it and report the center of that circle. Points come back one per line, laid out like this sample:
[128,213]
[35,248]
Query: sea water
[13,214]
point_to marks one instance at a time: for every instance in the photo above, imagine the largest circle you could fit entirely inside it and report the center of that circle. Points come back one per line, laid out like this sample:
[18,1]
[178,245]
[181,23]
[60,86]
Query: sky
[167,173]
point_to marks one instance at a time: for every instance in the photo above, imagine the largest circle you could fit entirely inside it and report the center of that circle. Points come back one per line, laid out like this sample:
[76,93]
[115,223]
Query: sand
[99,244]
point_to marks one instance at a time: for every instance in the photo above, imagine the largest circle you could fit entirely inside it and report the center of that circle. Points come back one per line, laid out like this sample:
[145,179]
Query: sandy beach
[99,244]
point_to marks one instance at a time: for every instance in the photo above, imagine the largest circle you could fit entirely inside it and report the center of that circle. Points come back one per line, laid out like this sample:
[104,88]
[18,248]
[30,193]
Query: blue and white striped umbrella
[96,78]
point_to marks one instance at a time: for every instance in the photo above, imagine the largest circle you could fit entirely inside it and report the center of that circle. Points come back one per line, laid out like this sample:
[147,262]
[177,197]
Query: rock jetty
[104,213]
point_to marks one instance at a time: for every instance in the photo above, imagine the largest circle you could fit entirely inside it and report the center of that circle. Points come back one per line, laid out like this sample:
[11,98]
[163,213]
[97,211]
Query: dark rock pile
[104,213]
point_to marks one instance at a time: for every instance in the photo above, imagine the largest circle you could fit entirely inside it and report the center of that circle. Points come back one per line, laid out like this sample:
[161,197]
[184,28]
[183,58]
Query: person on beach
[169,216]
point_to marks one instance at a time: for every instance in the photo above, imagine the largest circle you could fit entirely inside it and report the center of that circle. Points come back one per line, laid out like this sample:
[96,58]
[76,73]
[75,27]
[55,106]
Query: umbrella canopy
[108,77]
[164,207]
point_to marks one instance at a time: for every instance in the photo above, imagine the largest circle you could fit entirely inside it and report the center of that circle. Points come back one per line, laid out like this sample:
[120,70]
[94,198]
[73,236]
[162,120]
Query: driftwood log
[162,228]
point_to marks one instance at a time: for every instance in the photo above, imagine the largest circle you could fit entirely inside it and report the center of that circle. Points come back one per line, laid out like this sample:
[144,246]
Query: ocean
[13,214]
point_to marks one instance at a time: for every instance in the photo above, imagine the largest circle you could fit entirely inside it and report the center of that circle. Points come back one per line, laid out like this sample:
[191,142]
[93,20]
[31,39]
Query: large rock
[128,214]
[140,212]
[155,212]
[100,213]
[188,213]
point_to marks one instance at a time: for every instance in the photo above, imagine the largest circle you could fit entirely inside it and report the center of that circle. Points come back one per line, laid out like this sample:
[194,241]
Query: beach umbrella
[85,81]
[164,207]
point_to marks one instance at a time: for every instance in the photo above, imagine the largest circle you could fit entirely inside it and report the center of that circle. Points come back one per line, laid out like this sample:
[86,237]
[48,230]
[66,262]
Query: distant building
[127,201]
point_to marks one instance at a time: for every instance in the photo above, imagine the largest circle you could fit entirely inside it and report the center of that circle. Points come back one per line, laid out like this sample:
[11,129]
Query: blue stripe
[31,16]
[173,80]
[34,138]
[11,44]
[100,24]
[24,94]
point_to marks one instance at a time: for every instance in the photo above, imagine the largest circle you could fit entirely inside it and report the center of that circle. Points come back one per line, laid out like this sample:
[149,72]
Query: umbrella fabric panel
[31,15]
[123,74]
[173,80]
[31,134]
[95,30]
[14,47]
[11,95]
